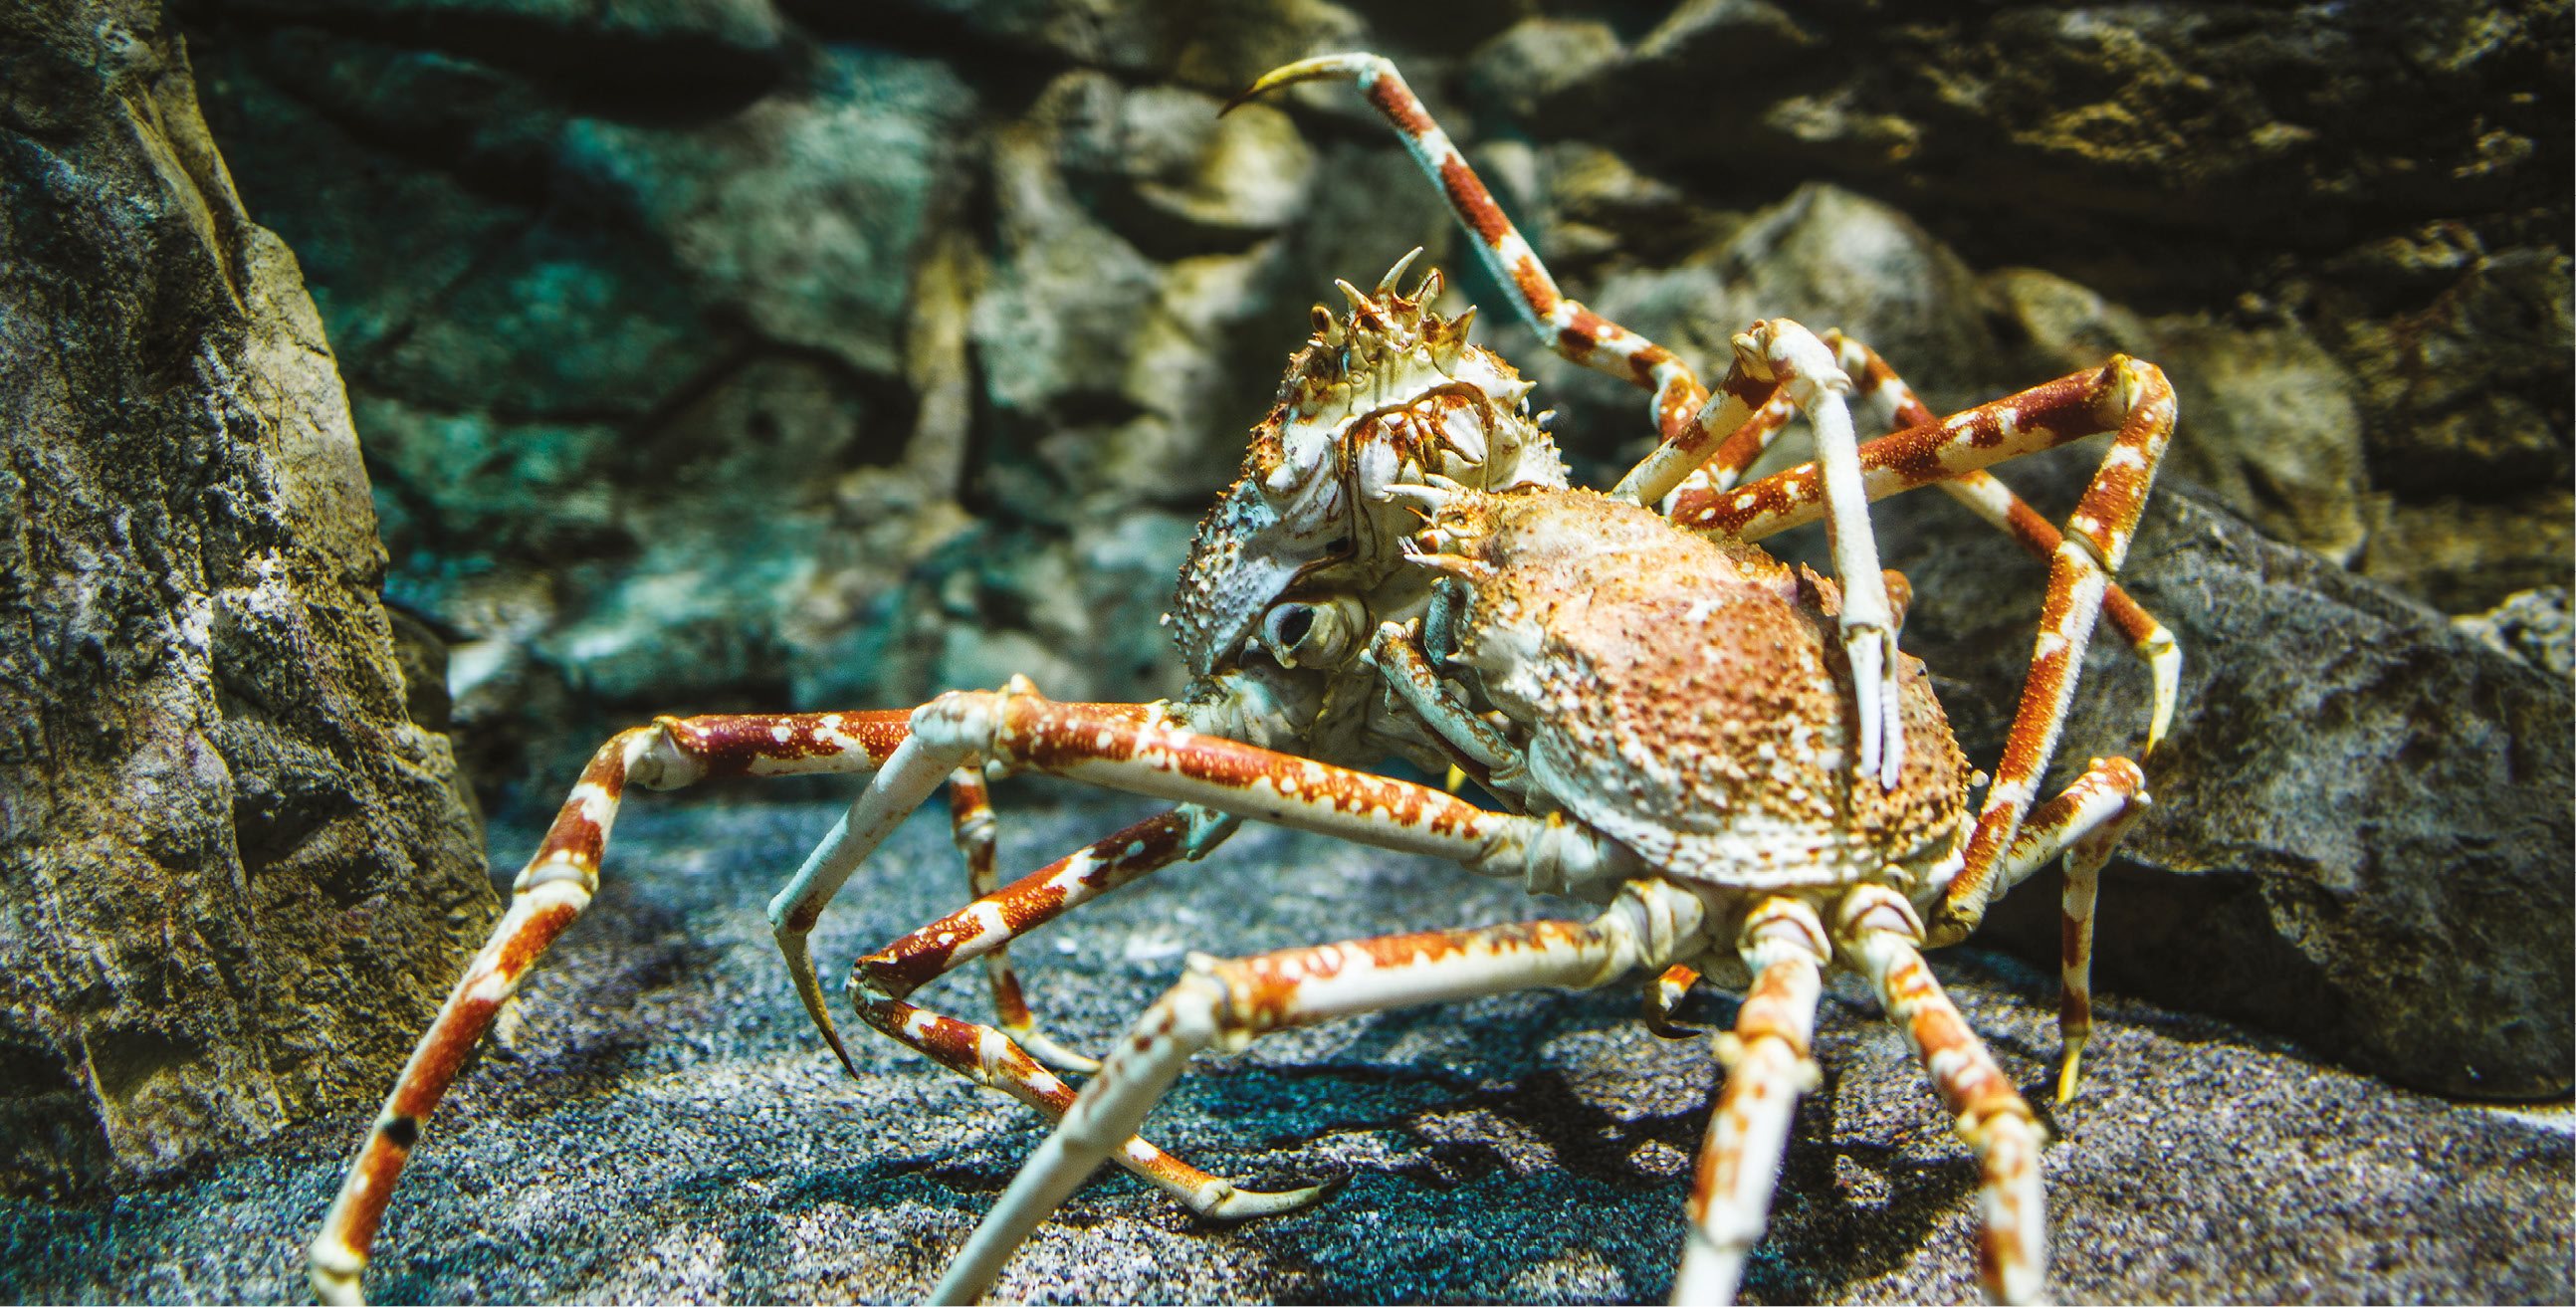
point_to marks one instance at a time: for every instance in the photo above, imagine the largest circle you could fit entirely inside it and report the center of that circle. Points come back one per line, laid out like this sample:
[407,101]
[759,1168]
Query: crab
[1727,755]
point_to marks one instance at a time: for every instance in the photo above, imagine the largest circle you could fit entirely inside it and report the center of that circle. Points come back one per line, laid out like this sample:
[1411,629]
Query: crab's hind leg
[1879,934]
[2084,822]
[1226,1004]
[883,980]
[1570,329]
[1989,498]
[971,824]
[2126,396]
[1767,1070]
[557,884]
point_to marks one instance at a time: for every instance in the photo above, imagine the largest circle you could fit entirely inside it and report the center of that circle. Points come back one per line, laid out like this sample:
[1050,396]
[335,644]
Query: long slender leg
[971,823]
[996,1059]
[557,884]
[904,777]
[1992,500]
[1227,1003]
[1569,328]
[1879,934]
[1808,374]
[2085,822]
[1124,747]
[2127,396]
[1767,1071]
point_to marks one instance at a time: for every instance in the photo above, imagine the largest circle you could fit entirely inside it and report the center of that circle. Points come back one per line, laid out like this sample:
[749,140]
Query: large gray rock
[2361,834]
[670,1129]
[234,876]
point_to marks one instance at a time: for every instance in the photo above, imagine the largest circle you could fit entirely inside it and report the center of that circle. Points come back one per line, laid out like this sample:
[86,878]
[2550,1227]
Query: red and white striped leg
[2126,396]
[995,1058]
[2084,822]
[904,778]
[1569,328]
[1767,1071]
[1880,936]
[1991,499]
[556,886]
[1225,1004]
[1127,747]
[971,821]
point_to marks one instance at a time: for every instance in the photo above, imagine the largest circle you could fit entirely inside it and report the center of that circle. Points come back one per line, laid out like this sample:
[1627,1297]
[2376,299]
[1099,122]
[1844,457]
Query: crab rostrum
[1729,756]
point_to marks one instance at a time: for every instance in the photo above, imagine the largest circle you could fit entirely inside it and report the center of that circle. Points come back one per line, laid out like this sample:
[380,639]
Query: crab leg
[2085,822]
[1812,380]
[557,884]
[1664,997]
[1569,328]
[1123,747]
[2125,395]
[971,823]
[995,1058]
[1767,1070]
[1227,1003]
[1406,669]
[1880,936]
[1991,499]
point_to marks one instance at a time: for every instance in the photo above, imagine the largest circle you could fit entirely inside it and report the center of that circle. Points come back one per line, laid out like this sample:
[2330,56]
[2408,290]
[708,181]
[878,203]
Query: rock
[1530,66]
[670,1128]
[2532,626]
[237,875]
[2360,836]
[1217,46]
[2272,429]
[2463,555]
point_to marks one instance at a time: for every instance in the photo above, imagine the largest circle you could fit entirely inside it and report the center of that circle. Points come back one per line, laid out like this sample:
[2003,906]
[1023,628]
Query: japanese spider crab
[1729,755]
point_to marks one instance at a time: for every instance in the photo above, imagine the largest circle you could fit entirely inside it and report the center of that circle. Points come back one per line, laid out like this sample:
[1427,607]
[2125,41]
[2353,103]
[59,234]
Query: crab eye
[1308,635]
[1291,623]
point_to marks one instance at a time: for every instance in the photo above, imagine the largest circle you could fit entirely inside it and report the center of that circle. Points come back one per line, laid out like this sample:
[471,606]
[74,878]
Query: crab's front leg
[883,981]
[1784,946]
[1408,672]
[1226,1004]
[556,886]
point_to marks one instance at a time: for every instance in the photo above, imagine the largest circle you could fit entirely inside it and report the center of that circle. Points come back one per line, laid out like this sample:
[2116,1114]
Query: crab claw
[1872,650]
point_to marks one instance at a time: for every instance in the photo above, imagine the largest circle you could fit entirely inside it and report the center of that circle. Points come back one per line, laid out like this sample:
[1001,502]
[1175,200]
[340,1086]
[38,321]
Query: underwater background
[730,355]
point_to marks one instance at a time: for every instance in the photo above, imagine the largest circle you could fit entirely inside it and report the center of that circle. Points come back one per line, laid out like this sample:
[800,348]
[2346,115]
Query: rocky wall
[235,874]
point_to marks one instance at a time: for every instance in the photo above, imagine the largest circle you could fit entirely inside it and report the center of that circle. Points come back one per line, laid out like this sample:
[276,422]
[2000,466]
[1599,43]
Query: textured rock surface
[2361,832]
[234,876]
[670,1129]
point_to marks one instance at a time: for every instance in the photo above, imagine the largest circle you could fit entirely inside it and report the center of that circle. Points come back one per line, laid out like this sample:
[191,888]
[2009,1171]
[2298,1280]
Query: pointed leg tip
[1056,1056]
[333,1273]
[1246,1204]
[2067,1072]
